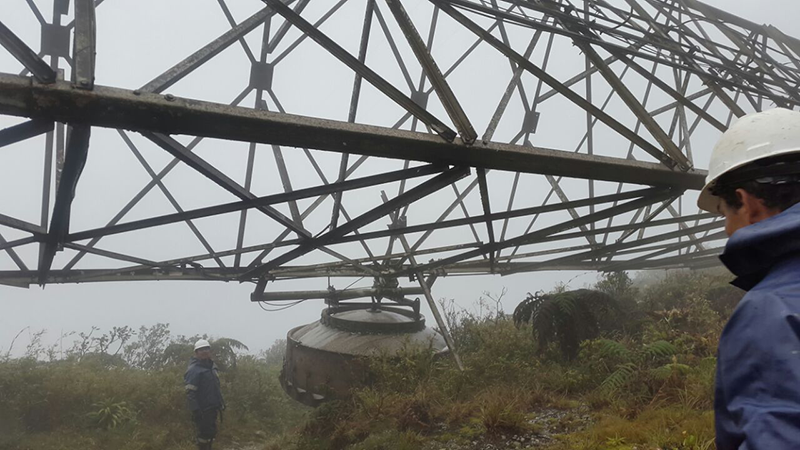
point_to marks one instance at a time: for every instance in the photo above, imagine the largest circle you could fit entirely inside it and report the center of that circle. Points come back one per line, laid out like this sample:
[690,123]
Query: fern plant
[659,349]
[632,364]
[619,378]
[567,318]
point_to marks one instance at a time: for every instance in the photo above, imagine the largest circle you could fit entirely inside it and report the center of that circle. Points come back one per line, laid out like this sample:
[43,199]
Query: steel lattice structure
[559,135]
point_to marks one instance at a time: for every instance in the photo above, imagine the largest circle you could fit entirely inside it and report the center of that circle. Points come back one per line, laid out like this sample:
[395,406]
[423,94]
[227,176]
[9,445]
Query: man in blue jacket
[754,181]
[203,393]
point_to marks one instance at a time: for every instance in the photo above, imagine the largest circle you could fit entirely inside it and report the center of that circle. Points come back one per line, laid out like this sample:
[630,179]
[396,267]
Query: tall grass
[647,383]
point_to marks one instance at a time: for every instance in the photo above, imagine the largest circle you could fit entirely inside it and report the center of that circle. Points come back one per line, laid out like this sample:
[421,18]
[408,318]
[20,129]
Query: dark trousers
[205,423]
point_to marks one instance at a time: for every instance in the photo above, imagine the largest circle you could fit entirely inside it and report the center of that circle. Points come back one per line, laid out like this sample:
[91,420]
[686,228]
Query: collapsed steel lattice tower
[560,136]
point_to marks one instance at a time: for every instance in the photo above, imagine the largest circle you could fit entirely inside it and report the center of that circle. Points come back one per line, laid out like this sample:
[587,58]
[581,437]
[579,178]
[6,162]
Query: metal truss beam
[83,55]
[21,225]
[443,90]
[538,235]
[557,85]
[196,59]
[368,74]
[209,171]
[257,202]
[344,294]
[119,108]
[610,249]
[24,130]
[75,160]
[412,195]
[26,56]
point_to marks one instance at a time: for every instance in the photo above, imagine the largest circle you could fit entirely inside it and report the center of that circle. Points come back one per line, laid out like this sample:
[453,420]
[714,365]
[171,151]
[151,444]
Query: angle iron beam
[707,78]
[232,22]
[645,55]
[26,56]
[442,224]
[119,108]
[322,267]
[209,171]
[357,183]
[344,294]
[84,46]
[675,104]
[75,160]
[586,73]
[538,235]
[440,322]
[673,248]
[431,69]
[284,28]
[736,39]
[21,225]
[150,185]
[679,98]
[198,58]
[300,39]
[310,209]
[557,85]
[5,245]
[483,186]
[412,195]
[562,196]
[8,247]
[786,42]
[24,130]
[376,80]
[170,198]
[354,97]
[512,84]
[110,254]
[627,96]
[610,249]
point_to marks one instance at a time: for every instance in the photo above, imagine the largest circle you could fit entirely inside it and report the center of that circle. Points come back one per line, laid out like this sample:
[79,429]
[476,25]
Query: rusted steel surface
[324,362]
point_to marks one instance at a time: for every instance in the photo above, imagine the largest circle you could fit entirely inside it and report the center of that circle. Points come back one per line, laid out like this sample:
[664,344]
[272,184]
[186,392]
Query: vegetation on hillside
[629,367]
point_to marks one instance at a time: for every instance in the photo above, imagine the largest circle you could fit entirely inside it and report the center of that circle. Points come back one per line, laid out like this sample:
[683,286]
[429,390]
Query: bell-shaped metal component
[328,358]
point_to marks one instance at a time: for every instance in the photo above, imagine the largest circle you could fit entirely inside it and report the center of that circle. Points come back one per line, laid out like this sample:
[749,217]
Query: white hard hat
[201,343]
[753,137]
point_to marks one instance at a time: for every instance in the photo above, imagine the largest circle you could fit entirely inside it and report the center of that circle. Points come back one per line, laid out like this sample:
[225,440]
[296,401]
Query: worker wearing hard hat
[204,394]
[754,181]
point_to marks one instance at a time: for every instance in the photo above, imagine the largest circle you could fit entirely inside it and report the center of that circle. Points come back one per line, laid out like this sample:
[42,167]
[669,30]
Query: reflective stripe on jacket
[757,395]
[202,385]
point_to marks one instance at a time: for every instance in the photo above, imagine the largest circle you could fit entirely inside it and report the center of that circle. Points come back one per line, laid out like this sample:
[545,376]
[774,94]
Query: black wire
[279,308]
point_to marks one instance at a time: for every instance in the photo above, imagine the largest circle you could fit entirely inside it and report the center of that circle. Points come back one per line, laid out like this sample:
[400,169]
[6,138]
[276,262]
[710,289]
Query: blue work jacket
[202,385]
[757,395]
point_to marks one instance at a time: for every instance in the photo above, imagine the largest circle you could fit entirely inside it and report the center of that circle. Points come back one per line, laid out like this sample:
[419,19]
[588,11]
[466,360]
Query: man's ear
[753,208]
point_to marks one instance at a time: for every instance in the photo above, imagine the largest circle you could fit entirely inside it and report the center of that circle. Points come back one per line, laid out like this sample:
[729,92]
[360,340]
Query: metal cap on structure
[328,358]
[753,137]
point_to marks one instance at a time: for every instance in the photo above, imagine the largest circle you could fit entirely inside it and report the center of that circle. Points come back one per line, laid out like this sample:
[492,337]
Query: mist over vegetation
[627,364]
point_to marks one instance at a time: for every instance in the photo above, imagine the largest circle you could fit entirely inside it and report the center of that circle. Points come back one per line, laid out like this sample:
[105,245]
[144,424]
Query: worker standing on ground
[754,181]
[204,394]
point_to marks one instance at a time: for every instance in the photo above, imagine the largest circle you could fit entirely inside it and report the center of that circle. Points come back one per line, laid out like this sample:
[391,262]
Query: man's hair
[780,192]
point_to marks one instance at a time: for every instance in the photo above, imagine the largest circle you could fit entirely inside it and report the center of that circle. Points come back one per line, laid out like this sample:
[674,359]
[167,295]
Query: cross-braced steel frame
[562,135]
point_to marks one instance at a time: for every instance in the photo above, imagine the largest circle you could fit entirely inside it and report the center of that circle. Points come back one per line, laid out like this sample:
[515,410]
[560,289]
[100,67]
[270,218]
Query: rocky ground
[545,425]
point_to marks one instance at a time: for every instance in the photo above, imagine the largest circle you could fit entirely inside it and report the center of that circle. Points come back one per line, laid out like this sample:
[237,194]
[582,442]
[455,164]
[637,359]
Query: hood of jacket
[753,250]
